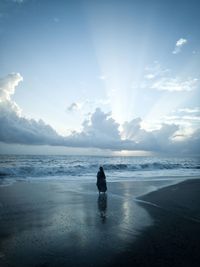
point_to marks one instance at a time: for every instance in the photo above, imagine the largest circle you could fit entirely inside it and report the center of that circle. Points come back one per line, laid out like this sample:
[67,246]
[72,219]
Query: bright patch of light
[127,153]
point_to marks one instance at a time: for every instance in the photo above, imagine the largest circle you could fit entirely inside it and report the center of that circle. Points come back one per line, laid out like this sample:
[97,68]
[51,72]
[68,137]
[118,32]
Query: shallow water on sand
[68,224]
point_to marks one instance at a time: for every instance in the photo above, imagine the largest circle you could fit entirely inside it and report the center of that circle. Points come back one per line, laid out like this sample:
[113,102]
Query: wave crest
[42,169]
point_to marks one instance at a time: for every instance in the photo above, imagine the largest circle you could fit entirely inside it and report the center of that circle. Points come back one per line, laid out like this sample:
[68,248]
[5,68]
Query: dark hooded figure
[101,181]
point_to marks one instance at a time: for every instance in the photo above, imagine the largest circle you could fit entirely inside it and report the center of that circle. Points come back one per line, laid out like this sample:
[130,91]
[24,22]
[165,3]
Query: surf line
[168,210]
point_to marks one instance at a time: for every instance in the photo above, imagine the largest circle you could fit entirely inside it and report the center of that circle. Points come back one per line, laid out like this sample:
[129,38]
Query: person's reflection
[102,206]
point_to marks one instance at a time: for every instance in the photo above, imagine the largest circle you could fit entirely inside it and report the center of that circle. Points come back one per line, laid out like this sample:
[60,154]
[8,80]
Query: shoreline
[68,224]
[174,238]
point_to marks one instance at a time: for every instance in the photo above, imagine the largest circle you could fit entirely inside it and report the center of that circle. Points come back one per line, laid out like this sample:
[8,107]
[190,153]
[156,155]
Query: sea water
[32,167]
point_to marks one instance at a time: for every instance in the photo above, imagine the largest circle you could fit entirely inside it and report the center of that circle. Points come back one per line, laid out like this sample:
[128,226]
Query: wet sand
[68,224]
[174,238]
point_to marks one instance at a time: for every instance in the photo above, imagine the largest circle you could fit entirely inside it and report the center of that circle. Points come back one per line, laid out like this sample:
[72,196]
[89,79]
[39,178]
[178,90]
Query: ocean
[33,167]
[54,216]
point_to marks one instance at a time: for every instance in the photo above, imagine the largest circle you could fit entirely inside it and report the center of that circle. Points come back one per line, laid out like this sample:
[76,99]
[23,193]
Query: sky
[100,77]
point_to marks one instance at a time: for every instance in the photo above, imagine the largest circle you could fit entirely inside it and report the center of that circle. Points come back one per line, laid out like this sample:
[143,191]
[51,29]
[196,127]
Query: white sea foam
[85,167]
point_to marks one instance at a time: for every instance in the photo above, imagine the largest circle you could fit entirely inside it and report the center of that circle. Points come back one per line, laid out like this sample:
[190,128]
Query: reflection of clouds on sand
[120,224]
[102,206]
[131,217]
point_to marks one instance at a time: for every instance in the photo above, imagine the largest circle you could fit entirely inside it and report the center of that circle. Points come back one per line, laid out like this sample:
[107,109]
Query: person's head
[101,168]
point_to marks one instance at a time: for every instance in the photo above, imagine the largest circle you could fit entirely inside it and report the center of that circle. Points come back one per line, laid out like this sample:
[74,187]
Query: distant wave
[150,166]
[42,169]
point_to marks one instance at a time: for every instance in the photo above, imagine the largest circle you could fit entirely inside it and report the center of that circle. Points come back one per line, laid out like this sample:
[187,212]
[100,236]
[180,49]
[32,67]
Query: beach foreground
[68,224]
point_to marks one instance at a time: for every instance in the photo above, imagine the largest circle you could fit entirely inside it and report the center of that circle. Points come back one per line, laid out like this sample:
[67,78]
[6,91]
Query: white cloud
[155,70]
[101,125]
[156,140]
[174,84]
[100,130]
[179,44]
[195,110]
[188,120]
[168,139]
[18,1]
[8,84]
[14,127]
[182,119]
[161,79]
[131,129]
[87,105]
[150,76]
[102,77]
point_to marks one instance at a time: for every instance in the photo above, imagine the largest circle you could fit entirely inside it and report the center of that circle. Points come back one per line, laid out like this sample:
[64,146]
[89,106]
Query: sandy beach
[68,224]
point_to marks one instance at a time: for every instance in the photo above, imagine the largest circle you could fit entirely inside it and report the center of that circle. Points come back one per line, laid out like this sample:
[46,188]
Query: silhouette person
[101,181]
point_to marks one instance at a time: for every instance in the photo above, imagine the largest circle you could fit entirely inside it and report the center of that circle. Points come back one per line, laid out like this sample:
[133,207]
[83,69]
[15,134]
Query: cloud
[101,125]
[102,77]
[100,130]
[150,76]
[179,44]
[195,110]
[19,130]
[74,106]
[8,84]
[18,1]
[174,84]
[158,140]
[168,139]
[161,79]
[183,119]
[190,114]
[155,70]
[187,118]
[14,127]
[87,105]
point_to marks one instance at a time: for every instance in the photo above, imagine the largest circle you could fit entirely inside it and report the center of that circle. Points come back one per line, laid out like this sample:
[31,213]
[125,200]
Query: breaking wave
[41,166]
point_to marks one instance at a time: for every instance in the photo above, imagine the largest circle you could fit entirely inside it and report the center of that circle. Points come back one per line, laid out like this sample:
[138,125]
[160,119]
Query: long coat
[101,181]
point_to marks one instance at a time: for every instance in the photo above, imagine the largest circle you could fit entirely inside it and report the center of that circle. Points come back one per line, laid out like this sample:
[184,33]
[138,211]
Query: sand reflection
[102,206]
